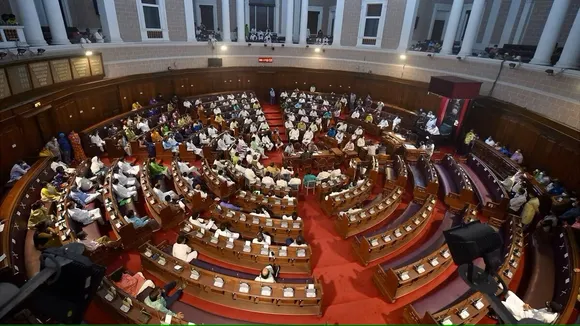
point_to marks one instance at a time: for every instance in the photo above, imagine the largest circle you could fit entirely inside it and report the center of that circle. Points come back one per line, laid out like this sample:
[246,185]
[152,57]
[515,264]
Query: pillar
[55,22]
[241,21]
[472,28]
[510,22]
[338,16]
[550,33]
[304,22]
[570,57]
[28,17]
[408,24]
[524,17]
[489,27]
[289,20]
[452,25]
[110,24]
[277,23]
[226,31]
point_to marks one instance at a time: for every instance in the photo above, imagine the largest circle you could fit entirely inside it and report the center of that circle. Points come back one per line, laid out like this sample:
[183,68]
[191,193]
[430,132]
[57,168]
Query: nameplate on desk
[288,292]
[398,233]
[445,253]
[218,282]
[447,321]
[118,225]
[434,262]
[194,275]
[417,221]
[478,304]
[161,261]
[464,314]
[408,228]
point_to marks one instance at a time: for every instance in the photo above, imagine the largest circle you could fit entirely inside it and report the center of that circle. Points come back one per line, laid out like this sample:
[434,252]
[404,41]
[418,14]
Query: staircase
[275,119]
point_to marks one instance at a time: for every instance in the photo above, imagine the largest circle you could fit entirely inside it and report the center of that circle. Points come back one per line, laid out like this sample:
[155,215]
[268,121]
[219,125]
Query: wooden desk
[279,206]
[249,224]
[348,225]
[370,248]
[429,175]
[219,187]
[343,201]
[193,200]
[396,173]
[229,294]
[111,298]
[326,187]
[472,313]
[167,215]
[295,260]
[457,201]
[15,210]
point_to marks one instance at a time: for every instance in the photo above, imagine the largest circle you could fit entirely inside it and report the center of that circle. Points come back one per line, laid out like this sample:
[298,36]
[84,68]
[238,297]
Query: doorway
[206,13]
[437,34]
[312,25]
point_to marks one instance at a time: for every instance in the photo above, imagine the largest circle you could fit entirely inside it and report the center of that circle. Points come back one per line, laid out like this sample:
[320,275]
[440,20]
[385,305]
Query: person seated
[45,237]
[128,168]
[339,137]
[267,143]
[295,134]
[224,178]
[133,285]
[83,216]
[294,217]
[384,123]
[97,141]
[49,193]
[92,245]
[266,275]
[349,147]
[555,187]
[160,301]
[123,179]
[137,221]
[517,157]
[520,310]
[39,213]
[299,242]
[182,251]
[157,170]
[261,239]
[81,197]
[274,171]
[282,182]
[308,136]
[360,142]
[331,132]
[124,193]
[223,231]
[289,150]
[170,144]
[18,170]
[294,182]
[161,194]
[490,141]
[369,118]
[60,179]
[323,176]
[309,178]
[97,167]
[518,200]
[268,180]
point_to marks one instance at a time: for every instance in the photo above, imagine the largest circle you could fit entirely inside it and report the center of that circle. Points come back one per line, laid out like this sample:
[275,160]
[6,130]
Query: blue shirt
[138,221]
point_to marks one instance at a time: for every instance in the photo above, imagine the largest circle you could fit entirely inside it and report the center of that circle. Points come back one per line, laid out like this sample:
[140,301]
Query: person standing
[272,96]
[79,153]
[65,148]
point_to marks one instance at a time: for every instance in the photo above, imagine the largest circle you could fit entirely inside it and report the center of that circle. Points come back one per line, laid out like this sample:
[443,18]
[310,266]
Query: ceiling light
[317,50]
[402,57]
[223,48]
[88,53]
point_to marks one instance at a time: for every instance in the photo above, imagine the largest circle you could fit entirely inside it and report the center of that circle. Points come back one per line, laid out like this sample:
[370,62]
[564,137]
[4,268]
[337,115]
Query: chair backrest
[310,184]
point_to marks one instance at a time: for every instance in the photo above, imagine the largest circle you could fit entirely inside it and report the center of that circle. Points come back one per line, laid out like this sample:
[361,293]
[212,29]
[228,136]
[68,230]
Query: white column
[277,11]
[189,20]
[241,21]
[289,20]
[524,18]
[27,16]
[408,24]
[110,24]
[510,22]
[472,27]
[55,22]
[303,22]
[551,33]
[489,27]
[226,21]
[452,25]
[570,57]
[338,16]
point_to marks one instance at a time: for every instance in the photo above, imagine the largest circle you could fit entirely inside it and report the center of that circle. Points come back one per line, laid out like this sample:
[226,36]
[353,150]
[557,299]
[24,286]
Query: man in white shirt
[84,217]
[212,131]
[127,168]
[123,192]
[281,183]
[143,125]
[250,175]
[185,168]
[162,195]
[294,134]
[323,175]
[96,139]
[124,180]
[221,145]
[268,180]
[308,136]
[182,251]
[224,232]
[294,182]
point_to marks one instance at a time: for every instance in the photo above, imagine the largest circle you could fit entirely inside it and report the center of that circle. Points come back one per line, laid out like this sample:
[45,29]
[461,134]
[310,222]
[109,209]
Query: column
[241,21]
[550,33]
[524,17]
[110,24]
[489,27]
[27,16]
[452,25]
[55,22]
[408,24]
[510,22]
[289,20]
[570,57]
[226,21]
[338,16]
[304,22]
[277,23]
[472,28]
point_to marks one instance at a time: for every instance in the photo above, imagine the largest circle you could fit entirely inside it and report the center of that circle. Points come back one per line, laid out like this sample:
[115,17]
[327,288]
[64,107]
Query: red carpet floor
[350,295]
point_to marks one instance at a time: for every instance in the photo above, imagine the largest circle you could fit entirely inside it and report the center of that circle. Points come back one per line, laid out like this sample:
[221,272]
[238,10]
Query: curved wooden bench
[326,187]
[249,225]
[218,187]
[225,290]
[348,225]
[471,309]
[396,173]
[194,202]
[255,256]
[370,248]
[425,177]
[279,206]
[167,215]
[341,202]
[460,190]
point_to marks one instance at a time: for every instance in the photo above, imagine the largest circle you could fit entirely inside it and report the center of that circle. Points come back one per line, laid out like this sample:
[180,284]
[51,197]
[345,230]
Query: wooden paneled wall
[545,144]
